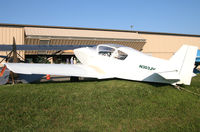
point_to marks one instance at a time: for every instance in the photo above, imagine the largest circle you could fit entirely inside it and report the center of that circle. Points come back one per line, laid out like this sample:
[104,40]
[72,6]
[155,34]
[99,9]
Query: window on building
[43,42]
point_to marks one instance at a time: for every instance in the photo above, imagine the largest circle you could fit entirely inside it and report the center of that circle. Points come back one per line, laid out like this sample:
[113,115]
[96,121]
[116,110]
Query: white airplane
[116,61]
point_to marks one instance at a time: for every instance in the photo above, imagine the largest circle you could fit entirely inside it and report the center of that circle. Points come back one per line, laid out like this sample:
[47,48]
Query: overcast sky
[173,16]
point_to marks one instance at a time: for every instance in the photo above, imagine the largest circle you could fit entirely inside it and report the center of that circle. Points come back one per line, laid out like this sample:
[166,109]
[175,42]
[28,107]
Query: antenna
[131,27]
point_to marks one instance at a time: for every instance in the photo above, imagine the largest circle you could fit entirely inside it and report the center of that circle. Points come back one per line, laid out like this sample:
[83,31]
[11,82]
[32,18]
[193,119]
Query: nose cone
[76,51]
[82,54]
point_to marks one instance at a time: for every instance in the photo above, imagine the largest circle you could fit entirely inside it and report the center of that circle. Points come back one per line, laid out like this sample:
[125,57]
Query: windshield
[105,50]
[120,55]
[111,52]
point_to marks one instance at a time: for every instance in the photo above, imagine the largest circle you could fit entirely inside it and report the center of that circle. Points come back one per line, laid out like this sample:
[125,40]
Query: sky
[172,16]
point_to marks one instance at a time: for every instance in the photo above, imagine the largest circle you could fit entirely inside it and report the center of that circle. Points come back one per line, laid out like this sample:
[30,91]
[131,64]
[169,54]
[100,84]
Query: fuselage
[124,62]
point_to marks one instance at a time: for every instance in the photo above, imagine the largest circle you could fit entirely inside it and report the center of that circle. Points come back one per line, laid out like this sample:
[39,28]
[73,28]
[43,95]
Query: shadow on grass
[157,84]
[101,80]
[68,81]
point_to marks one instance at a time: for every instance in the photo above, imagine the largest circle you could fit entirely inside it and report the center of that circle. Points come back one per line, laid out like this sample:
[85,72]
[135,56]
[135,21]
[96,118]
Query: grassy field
[108,105]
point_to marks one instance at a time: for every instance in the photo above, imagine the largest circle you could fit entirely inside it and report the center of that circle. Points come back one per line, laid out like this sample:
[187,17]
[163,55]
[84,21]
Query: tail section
[184,60]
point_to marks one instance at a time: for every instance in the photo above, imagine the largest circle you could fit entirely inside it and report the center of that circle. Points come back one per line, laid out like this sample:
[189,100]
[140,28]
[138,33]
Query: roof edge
[97,29]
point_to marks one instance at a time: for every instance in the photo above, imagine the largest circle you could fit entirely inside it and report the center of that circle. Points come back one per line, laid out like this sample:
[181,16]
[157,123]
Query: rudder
[184,60]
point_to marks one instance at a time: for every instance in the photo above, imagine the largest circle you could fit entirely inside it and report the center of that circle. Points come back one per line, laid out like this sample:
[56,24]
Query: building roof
[97,29]
[83,34]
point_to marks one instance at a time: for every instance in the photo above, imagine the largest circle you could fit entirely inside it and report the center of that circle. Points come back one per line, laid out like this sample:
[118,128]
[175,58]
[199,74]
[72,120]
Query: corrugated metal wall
[7,34]
[164,46]
[31,42]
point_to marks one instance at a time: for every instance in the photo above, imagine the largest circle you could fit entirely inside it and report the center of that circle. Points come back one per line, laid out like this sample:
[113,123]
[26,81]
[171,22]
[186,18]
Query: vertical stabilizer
[184,60]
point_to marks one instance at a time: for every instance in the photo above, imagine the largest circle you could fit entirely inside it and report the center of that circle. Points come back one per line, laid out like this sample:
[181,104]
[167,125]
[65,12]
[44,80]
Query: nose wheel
[74,79]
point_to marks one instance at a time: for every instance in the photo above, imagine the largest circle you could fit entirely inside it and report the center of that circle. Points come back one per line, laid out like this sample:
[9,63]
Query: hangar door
[55,36]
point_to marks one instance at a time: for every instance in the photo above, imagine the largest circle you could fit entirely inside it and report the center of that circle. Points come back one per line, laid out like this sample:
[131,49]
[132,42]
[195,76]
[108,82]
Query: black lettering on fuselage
[147,67]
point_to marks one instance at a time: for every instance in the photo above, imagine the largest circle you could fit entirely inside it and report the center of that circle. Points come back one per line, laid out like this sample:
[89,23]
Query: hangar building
[162,45]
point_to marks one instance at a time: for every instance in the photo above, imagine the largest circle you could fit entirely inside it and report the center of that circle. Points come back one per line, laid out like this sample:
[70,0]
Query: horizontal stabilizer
[170,75]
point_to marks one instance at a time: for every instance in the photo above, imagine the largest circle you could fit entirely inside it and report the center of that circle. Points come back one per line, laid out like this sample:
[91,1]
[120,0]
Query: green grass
[109,105]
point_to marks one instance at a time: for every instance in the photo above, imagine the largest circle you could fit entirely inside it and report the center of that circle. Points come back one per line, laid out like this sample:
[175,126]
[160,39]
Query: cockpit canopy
[112,50]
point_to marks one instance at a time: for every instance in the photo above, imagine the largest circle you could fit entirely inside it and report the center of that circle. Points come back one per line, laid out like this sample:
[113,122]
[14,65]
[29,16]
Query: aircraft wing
[2,56]
[27,47]
[77,70]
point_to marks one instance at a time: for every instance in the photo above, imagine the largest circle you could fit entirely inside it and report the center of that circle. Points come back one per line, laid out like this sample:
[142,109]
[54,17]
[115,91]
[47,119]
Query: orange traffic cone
[48,77]
[2,71]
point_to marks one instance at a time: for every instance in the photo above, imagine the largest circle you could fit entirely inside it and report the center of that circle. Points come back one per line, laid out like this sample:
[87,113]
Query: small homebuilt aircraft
[116,61]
